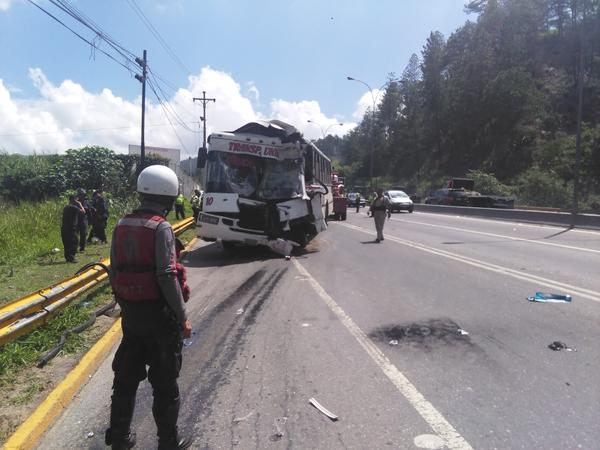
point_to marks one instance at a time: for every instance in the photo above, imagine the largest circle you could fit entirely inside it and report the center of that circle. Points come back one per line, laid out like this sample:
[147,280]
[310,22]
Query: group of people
[77,216]
[195,201]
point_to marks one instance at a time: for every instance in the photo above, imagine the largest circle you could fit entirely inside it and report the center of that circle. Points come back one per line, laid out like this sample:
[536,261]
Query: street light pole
[372,129]
[324,133]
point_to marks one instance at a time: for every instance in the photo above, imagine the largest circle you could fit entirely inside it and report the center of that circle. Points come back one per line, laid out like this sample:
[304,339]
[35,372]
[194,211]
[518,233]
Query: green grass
[30,231]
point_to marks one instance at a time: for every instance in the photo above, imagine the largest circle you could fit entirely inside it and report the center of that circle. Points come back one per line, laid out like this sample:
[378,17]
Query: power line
[81,37]
[89,130]
[156,34]
[168,118]
[173,112]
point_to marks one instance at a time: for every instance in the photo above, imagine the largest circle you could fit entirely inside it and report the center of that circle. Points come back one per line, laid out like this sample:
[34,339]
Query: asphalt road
[372,331]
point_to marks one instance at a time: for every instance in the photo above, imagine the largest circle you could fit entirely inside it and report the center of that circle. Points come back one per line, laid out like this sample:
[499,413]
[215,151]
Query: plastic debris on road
[90,434]
[239,311]
[393,342]
[550,298]
[558,346]
[279,423]
[462,332]
[321,408]
[189,341]
[244,418]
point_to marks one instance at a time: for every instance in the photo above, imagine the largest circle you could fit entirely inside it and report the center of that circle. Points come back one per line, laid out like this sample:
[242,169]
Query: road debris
[321,408]
[244,418]
[189,341]
[429,441]
[558,346]
[239,311]
[306,325]
[393,342]
[550,298]
[279,423]
[462,332]
[90,435]
[281,246]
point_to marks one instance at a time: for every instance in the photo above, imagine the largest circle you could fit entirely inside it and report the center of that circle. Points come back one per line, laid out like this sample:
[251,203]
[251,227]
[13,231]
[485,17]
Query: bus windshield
[280,180]
[252,177]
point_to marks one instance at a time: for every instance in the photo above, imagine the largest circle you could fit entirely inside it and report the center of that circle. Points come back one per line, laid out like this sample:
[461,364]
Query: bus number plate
[208,219]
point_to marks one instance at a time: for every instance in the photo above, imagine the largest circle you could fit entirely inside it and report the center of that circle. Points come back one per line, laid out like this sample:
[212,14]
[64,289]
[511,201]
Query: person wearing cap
[69,227]
[195,201]
[379,210]
[154,320]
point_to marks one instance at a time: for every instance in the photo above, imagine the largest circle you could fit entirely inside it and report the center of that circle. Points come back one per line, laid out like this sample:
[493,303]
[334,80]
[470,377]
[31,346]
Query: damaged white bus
[264,185]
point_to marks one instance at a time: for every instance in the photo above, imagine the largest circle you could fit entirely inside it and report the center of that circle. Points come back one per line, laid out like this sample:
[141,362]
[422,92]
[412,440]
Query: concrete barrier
[561,219]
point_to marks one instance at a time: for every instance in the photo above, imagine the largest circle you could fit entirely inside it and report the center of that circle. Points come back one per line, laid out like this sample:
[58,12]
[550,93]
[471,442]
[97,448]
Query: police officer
[195,201]
[179,207]
[69,226]
[379,210]
[144,281]
[84,218]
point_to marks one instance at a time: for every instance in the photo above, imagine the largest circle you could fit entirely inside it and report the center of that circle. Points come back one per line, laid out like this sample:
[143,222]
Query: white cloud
[68,116]
[5,5]
[299,113]
[366,102]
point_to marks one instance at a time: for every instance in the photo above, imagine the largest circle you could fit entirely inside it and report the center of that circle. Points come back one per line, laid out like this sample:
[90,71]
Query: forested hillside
[498,96]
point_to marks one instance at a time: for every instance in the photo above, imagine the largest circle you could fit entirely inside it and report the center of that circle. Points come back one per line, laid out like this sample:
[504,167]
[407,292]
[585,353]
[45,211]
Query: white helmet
[158,180]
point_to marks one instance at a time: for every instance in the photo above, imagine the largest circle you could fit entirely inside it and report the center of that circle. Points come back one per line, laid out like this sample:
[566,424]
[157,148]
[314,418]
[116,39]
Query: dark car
[352,200]
[448,196]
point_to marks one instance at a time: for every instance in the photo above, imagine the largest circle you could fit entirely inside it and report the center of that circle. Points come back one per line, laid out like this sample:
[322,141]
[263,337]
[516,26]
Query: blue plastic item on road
[550,298]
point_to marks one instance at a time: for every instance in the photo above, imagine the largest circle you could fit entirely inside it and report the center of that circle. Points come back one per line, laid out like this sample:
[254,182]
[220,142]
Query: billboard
[172,154]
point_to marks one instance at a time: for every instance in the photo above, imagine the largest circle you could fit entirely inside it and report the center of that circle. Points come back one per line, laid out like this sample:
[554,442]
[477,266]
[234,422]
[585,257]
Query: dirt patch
[23,391]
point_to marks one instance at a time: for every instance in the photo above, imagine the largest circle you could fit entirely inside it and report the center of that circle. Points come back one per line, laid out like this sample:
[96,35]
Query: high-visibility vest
[179,199]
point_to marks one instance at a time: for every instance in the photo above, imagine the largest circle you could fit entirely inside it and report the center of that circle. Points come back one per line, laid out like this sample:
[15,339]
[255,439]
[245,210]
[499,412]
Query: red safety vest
[135,267]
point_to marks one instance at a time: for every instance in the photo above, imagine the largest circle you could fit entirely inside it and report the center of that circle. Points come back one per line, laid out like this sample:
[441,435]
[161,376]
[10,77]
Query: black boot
[119,434]
[165,415]
[122,444]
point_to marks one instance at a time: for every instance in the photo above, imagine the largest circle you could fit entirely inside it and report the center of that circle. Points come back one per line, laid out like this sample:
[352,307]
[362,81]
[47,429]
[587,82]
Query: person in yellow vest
[179,207]
[195,201]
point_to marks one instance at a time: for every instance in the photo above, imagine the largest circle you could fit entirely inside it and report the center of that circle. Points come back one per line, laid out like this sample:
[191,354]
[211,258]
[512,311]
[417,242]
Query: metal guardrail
[35,309]
[561,219]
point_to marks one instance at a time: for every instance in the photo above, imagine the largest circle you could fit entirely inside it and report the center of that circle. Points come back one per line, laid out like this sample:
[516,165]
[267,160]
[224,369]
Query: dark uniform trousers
[161,353]
[69,239]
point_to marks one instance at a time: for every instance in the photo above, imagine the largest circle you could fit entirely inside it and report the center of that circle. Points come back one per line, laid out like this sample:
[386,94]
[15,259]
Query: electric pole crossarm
[204,101]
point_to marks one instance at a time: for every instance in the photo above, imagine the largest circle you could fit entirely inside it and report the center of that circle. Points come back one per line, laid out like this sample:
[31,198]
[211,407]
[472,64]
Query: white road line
[540,281]
[432,416]
[512,238]
[509,222]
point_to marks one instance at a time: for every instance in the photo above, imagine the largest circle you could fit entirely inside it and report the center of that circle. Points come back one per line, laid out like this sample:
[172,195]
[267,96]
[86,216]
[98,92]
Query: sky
[260,59]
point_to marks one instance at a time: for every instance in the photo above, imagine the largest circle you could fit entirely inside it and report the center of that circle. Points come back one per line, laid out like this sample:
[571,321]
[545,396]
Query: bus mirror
[202,154]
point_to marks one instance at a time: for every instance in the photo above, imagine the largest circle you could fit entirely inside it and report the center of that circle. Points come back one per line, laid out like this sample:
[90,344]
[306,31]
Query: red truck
[340,201]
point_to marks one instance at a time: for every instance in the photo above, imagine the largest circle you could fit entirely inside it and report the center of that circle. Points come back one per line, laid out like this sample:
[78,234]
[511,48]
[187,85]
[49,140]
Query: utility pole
[142,79]
[204,101]
[580,81]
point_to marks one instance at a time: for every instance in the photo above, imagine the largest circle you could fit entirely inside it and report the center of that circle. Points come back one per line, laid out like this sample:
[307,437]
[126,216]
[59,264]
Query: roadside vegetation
[496,99]
[33,192]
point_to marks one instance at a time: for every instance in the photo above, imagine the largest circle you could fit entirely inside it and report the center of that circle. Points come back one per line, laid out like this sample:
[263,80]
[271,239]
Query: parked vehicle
[399,201]
[352,200]
[340,201]
[447,196]
[460,192]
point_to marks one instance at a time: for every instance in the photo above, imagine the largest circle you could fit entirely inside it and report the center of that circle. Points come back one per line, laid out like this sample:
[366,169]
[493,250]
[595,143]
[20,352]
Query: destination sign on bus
[254,149]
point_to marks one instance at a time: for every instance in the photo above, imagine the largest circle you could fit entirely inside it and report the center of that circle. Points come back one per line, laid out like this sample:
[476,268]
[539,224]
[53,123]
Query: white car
[399,201]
